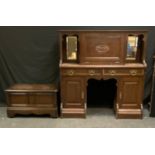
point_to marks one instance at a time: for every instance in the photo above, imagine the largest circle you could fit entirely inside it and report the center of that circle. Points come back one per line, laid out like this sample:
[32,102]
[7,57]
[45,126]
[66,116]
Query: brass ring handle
[133,72]
[112,72]
[70,73]
[91,72]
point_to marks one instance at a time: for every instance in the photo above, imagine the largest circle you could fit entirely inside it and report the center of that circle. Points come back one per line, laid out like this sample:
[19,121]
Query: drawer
[81,72]
[132,72]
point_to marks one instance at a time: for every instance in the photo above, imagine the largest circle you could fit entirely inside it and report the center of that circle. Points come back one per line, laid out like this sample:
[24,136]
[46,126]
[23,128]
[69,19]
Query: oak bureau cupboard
[102,54]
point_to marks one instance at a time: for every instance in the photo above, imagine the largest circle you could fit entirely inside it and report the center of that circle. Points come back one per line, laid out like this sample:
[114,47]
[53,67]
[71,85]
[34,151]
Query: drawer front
[81,72]
[121,72]
[102,72]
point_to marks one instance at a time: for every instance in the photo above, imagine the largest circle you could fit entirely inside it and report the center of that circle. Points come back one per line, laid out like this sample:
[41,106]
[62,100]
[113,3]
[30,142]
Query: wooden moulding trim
[128,111]
[71,115]
[126,66]
[129,116]
[32,91]
[122,74]
[117,74]
[82,74]
[103,58]
[31,108]
[101,30]
[72,110]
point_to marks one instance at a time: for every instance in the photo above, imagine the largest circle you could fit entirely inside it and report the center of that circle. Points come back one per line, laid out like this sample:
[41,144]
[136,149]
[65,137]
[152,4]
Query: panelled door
[130,93]
[72,92]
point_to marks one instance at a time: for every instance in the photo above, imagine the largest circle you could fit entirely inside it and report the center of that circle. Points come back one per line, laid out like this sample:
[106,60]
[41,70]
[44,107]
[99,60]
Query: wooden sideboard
[35,99]
[102,55]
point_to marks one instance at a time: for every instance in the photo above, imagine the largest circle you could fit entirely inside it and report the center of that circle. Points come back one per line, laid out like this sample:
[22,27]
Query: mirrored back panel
[132,47]
[71,47]
[135,47]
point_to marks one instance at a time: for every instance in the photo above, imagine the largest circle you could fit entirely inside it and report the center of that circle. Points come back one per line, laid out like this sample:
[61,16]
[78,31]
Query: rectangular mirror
[71,47]
[132,47]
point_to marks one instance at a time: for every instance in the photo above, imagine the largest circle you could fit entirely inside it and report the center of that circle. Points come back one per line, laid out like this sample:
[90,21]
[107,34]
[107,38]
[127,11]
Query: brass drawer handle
[70,72]
[133,72]
[91,72]
[112,72]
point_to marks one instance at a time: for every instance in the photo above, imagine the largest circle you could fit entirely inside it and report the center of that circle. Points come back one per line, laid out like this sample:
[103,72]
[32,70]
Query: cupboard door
[72,92]
[131,91]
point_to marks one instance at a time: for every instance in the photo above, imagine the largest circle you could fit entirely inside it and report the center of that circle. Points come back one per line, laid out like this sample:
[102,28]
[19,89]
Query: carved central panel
[102,48]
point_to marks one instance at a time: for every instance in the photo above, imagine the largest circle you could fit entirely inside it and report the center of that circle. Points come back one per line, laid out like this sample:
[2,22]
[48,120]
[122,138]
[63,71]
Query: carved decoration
[102,48]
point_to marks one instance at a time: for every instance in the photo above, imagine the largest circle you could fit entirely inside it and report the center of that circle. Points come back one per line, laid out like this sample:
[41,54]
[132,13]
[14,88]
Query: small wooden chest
[36,99]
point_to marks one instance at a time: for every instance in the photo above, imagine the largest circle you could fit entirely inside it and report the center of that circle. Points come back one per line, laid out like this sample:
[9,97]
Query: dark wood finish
[102,48]
[130,97]
[36,99]
[103,55]
[72,89]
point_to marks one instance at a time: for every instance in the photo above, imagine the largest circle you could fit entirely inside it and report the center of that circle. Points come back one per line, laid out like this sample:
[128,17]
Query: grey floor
[96,118]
